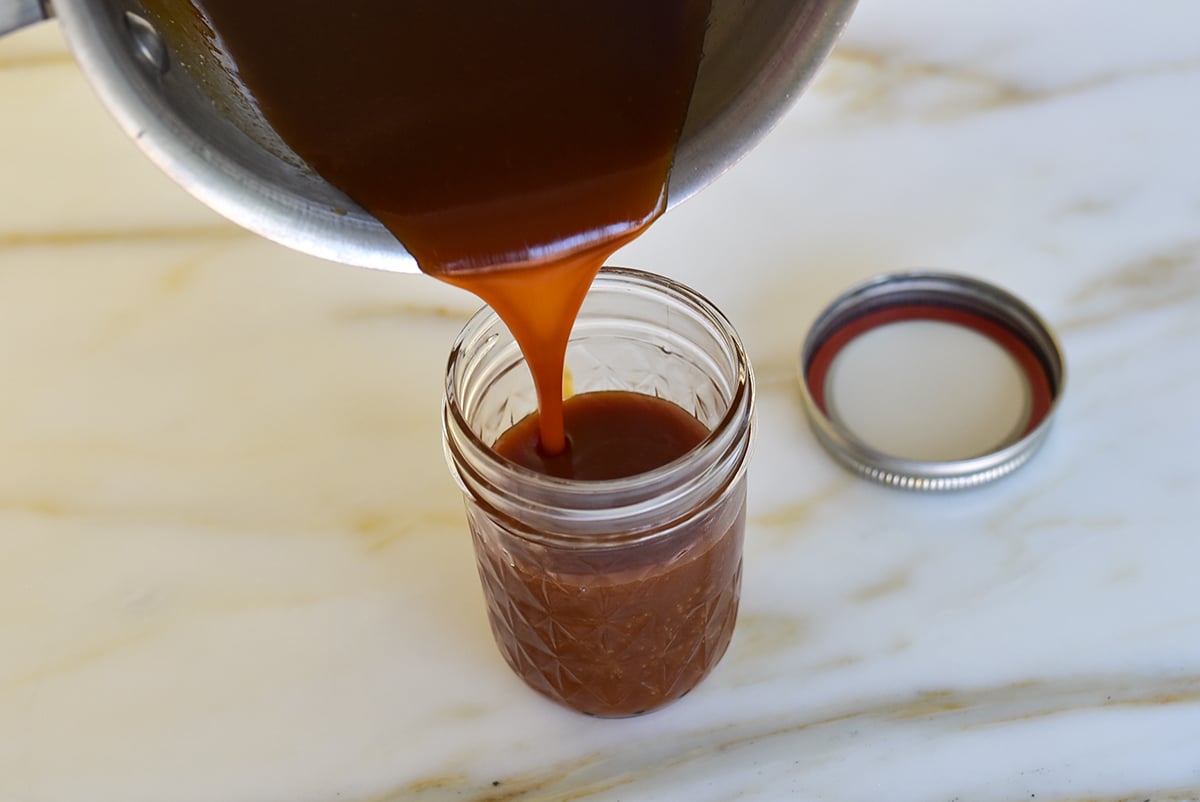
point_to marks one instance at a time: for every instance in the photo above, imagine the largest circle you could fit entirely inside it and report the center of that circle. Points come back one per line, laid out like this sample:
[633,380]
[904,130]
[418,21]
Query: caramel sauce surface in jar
[616,633]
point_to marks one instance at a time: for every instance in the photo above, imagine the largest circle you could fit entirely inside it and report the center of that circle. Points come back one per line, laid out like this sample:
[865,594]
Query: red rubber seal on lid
[1041,391]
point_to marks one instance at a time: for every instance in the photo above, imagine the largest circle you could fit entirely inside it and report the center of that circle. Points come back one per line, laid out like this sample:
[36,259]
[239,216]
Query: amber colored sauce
[616,634]
[610,435]
[511,147]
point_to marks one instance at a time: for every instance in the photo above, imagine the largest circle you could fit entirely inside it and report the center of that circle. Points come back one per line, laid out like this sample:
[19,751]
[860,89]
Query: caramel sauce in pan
[512,147]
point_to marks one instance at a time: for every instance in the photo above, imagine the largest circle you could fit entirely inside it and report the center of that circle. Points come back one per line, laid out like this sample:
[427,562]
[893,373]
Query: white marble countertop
[234,567]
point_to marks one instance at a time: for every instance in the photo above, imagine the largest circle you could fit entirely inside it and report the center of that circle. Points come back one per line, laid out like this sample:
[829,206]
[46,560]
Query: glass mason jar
[612,597]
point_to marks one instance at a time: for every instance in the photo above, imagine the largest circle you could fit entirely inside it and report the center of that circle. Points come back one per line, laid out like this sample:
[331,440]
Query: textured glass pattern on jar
[615,632]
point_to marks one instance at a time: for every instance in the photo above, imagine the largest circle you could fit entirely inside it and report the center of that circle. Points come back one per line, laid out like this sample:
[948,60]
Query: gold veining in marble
[503,789]
[872,84]
[368,313]
[36,60]
[877,86]
[74,239]
[892,583]
[793,516]
[761,634]
[86,657]
[419,787]
[1146,284]
[982,708]
[1174,795]
[378,531]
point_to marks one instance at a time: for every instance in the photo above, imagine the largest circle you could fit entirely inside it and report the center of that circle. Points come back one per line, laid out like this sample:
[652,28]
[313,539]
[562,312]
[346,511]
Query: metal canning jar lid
[931,381]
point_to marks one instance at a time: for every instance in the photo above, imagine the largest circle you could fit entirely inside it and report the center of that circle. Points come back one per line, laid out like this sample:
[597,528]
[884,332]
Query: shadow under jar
[612,597]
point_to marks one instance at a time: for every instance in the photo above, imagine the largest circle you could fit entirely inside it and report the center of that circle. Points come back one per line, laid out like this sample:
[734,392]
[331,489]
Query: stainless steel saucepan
[177,95]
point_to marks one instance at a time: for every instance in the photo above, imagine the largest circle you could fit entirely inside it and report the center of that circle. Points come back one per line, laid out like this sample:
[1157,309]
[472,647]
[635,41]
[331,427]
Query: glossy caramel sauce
[511,147]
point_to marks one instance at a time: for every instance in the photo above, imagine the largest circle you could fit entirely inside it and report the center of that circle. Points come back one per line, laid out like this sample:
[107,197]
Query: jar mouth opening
[733,418]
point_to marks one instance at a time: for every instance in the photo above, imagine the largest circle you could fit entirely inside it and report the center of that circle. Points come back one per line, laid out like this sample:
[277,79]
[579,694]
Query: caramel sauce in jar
[611,570]
[616,632]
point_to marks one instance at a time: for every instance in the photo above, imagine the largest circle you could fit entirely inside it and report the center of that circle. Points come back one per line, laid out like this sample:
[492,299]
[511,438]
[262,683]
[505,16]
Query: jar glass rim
[740,401]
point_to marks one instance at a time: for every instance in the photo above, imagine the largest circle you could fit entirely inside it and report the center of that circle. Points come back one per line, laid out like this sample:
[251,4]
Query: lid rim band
[975,305]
